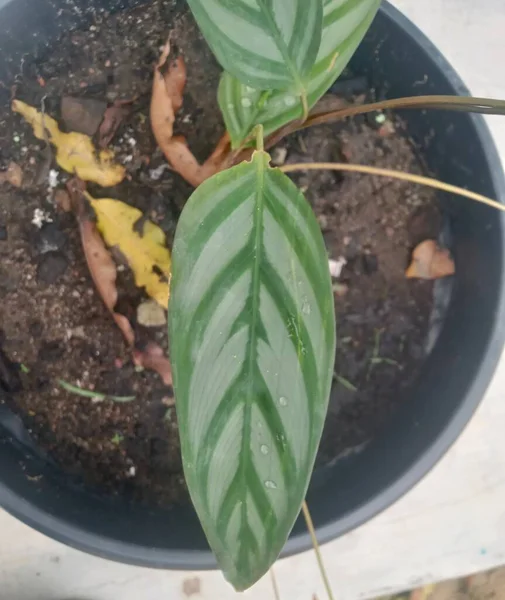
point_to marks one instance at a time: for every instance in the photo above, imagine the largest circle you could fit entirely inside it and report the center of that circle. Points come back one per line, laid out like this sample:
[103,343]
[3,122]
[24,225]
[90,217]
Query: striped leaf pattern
[252,333]
[267,44]
[344,26]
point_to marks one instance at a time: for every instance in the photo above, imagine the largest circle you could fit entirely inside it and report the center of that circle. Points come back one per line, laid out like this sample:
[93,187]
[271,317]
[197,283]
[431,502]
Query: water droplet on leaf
[289,100]
[264,449]
[283,401]
[246,102]
[306,307]
[271,485]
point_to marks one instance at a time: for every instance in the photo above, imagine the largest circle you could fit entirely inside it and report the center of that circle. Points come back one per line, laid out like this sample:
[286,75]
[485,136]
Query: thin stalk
[275,587]
[489,106]
[73,389]
[317,550]
[410,177]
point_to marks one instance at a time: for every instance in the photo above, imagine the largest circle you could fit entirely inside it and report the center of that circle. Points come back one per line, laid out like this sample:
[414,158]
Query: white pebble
[40,217]
[53,178]
[132,471]
[336,266]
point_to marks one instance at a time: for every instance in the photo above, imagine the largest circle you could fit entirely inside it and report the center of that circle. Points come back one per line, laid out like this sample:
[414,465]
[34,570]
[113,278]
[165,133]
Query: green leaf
[345,24]
[267,44]
[252,332]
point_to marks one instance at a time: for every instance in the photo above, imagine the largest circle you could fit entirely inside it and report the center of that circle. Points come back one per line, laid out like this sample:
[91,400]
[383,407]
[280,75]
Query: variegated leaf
[252,333]
[270,44]
[345,24]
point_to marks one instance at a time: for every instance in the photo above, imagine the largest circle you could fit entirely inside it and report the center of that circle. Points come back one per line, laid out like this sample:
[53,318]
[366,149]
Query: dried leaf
[154,359]
[103,272]
[146,253]
[100,264]
[430,261]
[75,151]
[112,119]
[167,96]
[13,175]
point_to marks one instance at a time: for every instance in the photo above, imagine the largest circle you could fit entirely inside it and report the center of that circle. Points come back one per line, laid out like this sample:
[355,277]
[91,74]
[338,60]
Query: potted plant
[252,300]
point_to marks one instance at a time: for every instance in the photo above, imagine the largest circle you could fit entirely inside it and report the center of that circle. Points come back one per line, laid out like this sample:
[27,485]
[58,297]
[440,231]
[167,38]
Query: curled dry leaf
[104,275]
[146,252]
[75,152]
[13,175]
[100,263]
[112,119]
[167,97]
[153,358]
[430,261]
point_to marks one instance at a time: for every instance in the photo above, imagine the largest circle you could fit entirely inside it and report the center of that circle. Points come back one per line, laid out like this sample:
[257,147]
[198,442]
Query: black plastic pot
[457,148]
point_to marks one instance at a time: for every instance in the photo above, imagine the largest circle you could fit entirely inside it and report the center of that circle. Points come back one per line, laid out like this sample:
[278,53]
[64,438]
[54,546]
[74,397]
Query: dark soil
[54,326]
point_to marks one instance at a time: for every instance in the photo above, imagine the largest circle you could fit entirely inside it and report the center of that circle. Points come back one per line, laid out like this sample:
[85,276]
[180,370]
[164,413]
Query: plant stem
[73,389]
[457,103]
[260,145]
[488,106]
[275,587]
[317,550]
[410,177]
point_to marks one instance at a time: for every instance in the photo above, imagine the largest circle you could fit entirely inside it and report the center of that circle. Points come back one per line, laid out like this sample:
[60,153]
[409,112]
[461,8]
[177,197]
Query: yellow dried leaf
[430,261]
[74,151]
[146,253]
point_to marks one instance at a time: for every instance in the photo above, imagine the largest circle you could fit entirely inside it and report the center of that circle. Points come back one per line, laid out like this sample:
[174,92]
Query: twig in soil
[410,177]
[96,396]
[344,382]
[317,550]
[377,359]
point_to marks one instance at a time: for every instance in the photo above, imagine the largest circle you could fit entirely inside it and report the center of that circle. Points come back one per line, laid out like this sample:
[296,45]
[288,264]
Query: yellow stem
[317,550]
[277,595]
[410,177]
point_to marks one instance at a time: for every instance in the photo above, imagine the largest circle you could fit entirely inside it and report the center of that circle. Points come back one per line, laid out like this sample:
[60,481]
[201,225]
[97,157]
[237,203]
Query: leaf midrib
[255,306]
[283,48]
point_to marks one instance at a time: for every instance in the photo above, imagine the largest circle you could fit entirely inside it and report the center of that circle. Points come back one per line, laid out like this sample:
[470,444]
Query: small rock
[3,233]
[82,115]
[49,238]
[13,175]
[36,329]
[150,314]
[40,217]
[51,267]
[53,178]
[336,266]
[279,156]
[51,351]
[370,263]
[132,471]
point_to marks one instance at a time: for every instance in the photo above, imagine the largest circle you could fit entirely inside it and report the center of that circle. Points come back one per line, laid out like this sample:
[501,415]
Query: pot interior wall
[457,148]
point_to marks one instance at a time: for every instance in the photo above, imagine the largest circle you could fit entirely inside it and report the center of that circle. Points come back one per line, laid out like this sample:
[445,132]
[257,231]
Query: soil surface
[53,325]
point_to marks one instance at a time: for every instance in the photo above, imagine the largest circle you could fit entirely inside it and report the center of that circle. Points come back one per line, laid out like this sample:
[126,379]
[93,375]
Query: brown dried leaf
[167,97]
[112,119]
[154,359]
[100,263]
[62,200]
[104,274]
[13,175]
[430,261]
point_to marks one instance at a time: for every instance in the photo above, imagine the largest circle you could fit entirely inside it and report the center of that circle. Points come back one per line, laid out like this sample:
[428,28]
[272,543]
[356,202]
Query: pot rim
[140,555]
